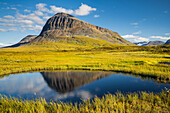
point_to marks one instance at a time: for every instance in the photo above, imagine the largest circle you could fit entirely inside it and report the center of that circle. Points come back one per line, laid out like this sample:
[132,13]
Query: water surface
[74,86]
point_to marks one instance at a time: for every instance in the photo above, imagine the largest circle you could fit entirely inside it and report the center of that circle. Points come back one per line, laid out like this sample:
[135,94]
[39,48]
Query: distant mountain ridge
[140,43]
[152,43]
[155,43]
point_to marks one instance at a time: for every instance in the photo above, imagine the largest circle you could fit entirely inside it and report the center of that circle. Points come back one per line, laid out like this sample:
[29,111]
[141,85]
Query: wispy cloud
[165,12]
[1,44]
[168,34]
[26,10]
[6,25]
[134,38]
[7,30]
[13,8]
[42,7]
[3,30]
[135,24]
[9,17]
[136,33]
[160,37]
[36,28]
[96,16]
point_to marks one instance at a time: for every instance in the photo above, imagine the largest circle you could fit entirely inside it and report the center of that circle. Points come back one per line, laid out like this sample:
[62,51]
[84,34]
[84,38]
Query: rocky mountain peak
[63,14]
[62,24]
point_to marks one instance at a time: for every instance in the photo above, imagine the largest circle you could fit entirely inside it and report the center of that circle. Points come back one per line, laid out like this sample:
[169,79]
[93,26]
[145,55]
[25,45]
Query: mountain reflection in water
[68,81]
[74,86]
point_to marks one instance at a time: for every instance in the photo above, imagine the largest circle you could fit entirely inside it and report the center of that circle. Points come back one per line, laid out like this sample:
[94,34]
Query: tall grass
[130,103]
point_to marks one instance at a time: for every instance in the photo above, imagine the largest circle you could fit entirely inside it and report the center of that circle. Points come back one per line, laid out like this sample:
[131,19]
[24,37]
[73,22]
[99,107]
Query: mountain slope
[167,42]
[66,25]
[24,41]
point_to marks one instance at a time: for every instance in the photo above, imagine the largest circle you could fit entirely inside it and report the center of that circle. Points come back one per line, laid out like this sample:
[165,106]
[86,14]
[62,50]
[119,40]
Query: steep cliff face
[63,24]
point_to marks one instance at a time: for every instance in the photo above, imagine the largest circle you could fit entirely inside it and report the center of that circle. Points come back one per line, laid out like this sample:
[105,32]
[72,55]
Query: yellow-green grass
[54,56]
[89,54]
[118,103]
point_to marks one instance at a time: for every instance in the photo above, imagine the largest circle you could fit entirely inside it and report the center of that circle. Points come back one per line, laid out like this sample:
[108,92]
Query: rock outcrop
[63,24]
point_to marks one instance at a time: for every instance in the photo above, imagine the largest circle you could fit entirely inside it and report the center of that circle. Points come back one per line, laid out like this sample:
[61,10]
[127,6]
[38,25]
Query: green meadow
[89,54]
[145,61]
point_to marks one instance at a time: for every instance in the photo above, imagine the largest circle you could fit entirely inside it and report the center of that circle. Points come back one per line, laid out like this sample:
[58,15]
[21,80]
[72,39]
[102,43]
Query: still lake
[74,86]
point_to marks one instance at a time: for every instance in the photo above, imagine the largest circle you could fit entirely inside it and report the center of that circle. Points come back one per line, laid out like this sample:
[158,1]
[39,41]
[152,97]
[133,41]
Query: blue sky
[135,20]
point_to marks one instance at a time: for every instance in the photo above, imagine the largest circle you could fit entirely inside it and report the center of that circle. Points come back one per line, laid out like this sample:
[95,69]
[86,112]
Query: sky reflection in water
[74,86]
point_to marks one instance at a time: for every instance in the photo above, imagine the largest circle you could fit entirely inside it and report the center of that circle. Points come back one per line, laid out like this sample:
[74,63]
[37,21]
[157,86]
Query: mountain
[154,43]
[141,43]
[28,38]
[25,40]
[66,81]
[62,25]
[167,42]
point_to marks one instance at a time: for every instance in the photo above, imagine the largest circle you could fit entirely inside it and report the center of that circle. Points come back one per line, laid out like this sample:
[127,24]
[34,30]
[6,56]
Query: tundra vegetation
[83,53]
[119,103]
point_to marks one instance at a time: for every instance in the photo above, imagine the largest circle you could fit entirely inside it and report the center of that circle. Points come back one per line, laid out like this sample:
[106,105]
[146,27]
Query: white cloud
[84,10]
[4,30]
[136,33]
[9,17]
[26,21]
[135,24]
[36,28]
[96,16]
[130,36]
[41,7]
[38,17]
[168,34]
[13,29]
[46,17]
[39,13]
[160,37]
[6,24]
[31,17]
[141,39]
[1,44]
[26,10]
[135,38]
[4,20]
[55,9]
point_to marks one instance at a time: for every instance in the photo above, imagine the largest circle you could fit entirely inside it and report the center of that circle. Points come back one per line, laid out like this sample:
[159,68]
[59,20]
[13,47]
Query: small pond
[74,86]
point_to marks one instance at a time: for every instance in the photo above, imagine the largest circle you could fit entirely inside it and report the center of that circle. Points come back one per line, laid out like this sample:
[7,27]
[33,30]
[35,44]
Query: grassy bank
[144,61]
[130,103]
